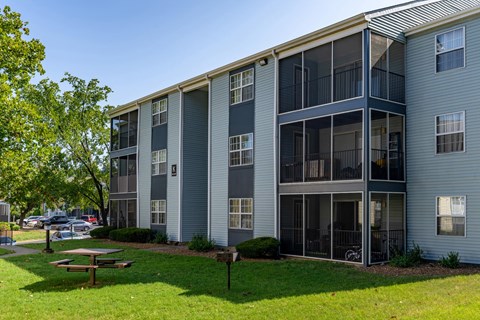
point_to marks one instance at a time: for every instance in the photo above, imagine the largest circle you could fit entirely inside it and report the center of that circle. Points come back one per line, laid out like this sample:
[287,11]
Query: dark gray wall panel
[241,118]
[123,152]
[385,186]
[159,228]
[130,195]
[159,137]
[240,182]
[159,187]
[321,187]
[237,236]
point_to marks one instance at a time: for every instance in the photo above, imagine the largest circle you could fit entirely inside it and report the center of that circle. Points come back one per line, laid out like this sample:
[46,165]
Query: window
[159,112]
[241,213]
[450,132]
[159,162]
[241,86]
[123,131]
[241,150]
[450,50]
[159,209]
[451,216]
[123,174]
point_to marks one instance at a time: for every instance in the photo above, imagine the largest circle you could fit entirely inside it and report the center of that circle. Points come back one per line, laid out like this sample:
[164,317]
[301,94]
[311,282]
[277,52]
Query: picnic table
[94,263]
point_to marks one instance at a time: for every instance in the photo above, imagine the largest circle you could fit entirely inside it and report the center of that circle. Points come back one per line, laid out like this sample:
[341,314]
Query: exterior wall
[264,214]
[173,183]
[195,164]
[144,160]
[219,159]
[430,175]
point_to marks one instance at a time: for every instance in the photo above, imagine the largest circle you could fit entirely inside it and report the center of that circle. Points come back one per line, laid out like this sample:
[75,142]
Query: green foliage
[4,226]
[14,227]
[201,243]
[5,251]
[412,258]
[262,247]
[142,235]
[452,260]
[101,233]
[160,237]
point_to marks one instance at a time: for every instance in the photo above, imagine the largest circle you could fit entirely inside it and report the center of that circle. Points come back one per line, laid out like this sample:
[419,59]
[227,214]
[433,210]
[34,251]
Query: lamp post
[47,227]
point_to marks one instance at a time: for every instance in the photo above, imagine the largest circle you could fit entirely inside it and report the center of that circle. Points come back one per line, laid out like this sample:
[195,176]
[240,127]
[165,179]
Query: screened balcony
[322,149]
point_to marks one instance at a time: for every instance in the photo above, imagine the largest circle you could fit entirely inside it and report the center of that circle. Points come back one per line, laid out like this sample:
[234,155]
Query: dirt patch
[424,269]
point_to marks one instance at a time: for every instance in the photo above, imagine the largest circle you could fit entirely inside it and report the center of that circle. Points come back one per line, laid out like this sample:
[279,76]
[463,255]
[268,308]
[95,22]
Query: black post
[47,239]
[228,274]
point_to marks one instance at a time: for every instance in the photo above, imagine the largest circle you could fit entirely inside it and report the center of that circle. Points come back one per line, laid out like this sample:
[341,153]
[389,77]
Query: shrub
[160,237]
[412,258]
[452,260]
[14,227]
[4,226]
[131,235]
[262,247]
[101,233]
[201,243]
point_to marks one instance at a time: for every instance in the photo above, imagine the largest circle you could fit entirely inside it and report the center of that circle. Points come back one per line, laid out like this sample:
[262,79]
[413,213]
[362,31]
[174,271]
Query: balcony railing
[385,244]
[380,164]
[347,165]
[347,82]
[395,84]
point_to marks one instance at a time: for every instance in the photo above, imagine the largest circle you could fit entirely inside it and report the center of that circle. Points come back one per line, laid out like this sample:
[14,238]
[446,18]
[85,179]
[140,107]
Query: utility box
[227,256]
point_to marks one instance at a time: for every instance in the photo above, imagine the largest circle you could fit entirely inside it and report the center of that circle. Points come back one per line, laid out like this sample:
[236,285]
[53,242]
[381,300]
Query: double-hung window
[450,50]
[158,211]
[241,86]
[241,150]
[450,132]
[451,216]
[159,112]
[241,213]
[159,162]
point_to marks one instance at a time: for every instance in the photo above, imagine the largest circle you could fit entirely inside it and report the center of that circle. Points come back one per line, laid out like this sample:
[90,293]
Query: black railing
[291,241]
[318,243]
[319,91]
[344,240]
[290,97]
[5,236]
[394,81]
[385,244]
[347,82]
[347,165]
[379,165]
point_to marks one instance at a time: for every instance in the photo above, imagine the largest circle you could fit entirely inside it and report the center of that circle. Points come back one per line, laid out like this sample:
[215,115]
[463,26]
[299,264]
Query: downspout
[209,170]
[275,153]
[139,124]
[180,163]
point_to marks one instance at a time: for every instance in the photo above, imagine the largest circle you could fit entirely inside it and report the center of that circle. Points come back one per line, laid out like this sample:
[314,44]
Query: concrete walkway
[18,251]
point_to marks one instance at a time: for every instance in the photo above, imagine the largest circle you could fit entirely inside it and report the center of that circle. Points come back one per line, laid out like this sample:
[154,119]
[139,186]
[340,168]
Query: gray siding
[431,175]
[144,161]
[195,164]
[264,153]
[173,158]
[219,159]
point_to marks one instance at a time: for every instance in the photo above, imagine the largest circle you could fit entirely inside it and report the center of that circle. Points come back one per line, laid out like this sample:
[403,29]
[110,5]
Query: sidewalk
[18,251]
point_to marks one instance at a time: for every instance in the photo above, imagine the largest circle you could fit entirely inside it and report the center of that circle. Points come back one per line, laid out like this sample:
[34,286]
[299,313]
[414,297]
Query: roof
[391,21]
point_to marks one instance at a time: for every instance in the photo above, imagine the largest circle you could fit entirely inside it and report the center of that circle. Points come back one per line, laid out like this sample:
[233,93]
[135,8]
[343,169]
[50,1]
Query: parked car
[7,241]
[78,225]
[52,220]
[67,235]
[28,219]
[89,218]
[33,222]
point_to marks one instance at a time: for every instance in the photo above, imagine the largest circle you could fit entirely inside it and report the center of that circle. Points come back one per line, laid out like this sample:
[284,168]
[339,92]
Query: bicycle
[354,254]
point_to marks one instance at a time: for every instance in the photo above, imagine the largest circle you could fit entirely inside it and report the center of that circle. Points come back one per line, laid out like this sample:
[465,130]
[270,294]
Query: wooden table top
[91,251]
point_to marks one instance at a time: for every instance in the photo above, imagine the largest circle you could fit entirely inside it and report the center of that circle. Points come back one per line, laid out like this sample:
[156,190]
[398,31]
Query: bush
[412,258]
[262,247]
[4,226]
[201,243]
[160,237]
[101,233]
[14,227]
[131,235]
[452,260]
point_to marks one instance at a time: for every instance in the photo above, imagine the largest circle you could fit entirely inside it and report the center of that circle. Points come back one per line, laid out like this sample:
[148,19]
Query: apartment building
[307,142]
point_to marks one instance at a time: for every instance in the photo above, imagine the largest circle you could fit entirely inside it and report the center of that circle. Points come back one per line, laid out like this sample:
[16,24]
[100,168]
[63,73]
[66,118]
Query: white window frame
[240,148]
[158,212]
[159,157]
[438,53]
[462,214]
[159,109]
[240,208]
[449,133]
[237,87]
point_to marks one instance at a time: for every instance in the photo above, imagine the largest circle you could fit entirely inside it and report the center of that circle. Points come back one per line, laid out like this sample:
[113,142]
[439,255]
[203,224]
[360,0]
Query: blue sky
[137,47]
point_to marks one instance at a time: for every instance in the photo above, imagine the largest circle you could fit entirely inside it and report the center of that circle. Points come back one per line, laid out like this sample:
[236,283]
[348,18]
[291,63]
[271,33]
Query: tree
[81,126]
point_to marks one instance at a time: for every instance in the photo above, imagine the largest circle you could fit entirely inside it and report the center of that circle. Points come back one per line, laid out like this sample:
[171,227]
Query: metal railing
[381,80]
[385,244]
[347,82]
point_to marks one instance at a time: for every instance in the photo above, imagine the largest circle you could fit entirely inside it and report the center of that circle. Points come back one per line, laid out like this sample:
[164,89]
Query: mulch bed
[425,269]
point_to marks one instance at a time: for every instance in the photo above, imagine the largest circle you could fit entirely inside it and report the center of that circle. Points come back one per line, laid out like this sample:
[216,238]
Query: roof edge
[443,20]
[399,7]
[336,27]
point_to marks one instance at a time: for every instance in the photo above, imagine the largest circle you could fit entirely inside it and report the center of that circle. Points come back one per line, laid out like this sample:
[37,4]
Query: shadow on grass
[250,281]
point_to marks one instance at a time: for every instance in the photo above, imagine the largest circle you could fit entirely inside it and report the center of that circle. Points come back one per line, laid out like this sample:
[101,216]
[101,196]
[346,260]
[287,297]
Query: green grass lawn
[4,251]
[29,234]
[161,286]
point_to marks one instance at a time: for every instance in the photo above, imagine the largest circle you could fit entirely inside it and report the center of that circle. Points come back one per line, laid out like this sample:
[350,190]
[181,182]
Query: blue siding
[429,175]
[195,164]
[144,161]
[219,159]
[173,158]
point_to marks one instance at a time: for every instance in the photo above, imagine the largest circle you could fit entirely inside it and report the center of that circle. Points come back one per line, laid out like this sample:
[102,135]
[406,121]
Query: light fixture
[263,62]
